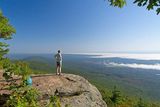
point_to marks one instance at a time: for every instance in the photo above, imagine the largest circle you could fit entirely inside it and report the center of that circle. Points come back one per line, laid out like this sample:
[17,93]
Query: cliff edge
[73,90]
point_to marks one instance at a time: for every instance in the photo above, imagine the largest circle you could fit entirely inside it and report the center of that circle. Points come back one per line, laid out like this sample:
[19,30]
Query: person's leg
[59,70]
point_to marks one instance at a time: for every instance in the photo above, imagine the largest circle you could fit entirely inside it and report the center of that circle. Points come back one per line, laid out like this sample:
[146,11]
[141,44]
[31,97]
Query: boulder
[73,90]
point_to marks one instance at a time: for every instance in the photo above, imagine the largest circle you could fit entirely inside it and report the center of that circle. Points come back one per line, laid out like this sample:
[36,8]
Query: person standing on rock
[58,58]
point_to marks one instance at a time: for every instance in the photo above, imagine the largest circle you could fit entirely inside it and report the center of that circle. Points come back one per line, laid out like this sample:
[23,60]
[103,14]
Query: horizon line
[90,53]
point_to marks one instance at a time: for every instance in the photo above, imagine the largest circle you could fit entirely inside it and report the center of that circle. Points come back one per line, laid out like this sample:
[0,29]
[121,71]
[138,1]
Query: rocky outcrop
[73,90]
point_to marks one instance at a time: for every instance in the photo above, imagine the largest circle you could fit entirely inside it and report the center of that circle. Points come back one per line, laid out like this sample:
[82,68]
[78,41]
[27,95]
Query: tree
[6,32]
[21,94]
[150,4]
[141,103]
[116,97]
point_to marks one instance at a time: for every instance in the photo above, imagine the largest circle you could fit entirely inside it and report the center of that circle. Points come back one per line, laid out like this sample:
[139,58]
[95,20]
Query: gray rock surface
[73,90]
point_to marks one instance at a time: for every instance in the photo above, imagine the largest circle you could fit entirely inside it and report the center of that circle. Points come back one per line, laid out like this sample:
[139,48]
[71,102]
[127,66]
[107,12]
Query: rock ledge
[73,90]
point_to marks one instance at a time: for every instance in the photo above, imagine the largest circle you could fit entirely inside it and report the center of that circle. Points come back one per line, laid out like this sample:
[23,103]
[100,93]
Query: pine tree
[116,97]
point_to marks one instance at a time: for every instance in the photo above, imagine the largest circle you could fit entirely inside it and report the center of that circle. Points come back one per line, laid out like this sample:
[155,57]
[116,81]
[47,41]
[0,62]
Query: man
[58,58]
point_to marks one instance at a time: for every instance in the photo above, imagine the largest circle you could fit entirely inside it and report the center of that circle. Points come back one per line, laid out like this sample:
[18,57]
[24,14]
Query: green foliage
[23,97]
[117,3]
[22,70]
[116,97]
[6,30]
[19,68]
[141,103]
[54,101]
[9,69]
[151,4]
[3,49]
[106,96]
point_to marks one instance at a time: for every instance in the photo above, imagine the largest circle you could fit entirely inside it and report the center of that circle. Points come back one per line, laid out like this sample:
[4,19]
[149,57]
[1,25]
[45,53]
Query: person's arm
[55,55]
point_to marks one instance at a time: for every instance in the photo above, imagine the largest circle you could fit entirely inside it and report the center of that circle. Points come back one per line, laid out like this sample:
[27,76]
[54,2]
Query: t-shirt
[58,57]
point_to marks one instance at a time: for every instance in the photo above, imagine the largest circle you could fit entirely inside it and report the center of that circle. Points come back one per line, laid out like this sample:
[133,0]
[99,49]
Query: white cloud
[134,65]
[127,55]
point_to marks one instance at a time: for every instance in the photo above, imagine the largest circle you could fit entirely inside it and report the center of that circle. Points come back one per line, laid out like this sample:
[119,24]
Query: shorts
[58,64]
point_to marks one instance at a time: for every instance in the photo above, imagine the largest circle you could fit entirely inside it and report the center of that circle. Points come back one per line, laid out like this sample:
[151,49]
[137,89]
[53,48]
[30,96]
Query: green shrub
[116,97]
[23,97]
[54,101]
[141,103]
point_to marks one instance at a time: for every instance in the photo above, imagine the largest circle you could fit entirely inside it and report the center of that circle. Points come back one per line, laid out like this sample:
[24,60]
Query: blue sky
[80,26]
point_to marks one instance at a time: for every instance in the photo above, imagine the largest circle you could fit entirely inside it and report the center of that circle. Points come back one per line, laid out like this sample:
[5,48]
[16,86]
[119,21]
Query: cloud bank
[127,55]
[134,65]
